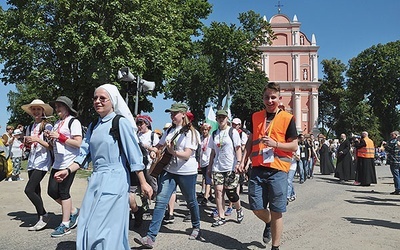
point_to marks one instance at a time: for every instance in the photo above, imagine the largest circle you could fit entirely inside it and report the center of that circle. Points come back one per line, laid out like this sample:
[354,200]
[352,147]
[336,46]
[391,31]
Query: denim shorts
[205,176]
[268,188]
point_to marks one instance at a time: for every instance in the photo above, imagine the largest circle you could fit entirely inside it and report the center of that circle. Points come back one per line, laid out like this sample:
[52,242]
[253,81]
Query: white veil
[119,104]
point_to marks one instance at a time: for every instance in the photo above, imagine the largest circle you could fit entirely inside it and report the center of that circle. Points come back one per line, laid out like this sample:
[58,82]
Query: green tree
[70,47]
[374,76]
[331,94]
[224,56]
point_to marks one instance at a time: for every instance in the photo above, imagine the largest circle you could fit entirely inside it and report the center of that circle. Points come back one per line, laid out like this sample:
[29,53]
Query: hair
[272,85]
[9,127]
[184,123]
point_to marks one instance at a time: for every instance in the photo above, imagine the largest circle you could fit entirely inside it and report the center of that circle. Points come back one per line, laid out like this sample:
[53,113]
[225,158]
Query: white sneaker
[20,179]
[9,179]
[38,226]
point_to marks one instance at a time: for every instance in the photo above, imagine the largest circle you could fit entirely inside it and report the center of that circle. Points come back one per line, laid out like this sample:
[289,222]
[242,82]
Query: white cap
[236,121]
[167,125]
[17,132]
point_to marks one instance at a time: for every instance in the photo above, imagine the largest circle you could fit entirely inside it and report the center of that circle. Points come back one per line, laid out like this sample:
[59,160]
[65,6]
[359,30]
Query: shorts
[268,188]
[229,179]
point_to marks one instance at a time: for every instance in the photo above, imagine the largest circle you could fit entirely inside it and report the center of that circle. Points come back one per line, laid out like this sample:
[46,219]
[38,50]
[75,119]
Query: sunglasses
[102,99]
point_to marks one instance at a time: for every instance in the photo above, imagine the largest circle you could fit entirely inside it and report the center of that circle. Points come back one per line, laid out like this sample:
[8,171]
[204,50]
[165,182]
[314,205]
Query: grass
[81,173]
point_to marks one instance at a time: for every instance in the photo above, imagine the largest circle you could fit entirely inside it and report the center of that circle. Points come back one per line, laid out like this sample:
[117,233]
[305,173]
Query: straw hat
[48,110]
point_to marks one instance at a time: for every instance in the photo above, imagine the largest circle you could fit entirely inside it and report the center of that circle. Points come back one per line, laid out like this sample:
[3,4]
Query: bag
[3,167]
[84,129]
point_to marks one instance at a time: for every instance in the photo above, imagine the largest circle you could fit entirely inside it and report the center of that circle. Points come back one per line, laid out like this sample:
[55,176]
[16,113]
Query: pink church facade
[292,61]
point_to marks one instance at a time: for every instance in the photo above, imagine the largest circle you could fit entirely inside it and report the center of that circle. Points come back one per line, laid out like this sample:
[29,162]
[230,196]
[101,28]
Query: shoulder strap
[152,138]
[70,123]
[213,134]
[30,129]
[230,133]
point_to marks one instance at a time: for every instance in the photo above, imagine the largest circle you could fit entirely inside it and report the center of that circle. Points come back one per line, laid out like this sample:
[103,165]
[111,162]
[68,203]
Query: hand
[54,135]
[240,168]
[146,190]
[61,175]
[170,147]
[267,141]
[153,155]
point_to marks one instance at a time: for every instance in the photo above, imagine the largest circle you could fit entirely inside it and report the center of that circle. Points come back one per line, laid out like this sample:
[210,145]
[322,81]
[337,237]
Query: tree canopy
[51,48]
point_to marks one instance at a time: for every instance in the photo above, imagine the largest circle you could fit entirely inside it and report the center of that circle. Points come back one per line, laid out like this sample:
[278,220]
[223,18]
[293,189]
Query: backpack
[3,167]
[84,129]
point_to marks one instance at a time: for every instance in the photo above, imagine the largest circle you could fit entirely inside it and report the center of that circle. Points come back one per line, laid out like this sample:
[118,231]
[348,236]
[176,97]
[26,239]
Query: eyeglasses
[102,99]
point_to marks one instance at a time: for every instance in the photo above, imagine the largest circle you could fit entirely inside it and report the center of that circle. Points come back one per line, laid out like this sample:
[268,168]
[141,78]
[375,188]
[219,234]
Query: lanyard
[270,123]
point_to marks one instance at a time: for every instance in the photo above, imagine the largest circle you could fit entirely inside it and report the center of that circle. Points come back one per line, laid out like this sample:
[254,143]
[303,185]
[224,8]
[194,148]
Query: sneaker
[204,202]
[267,233]
[228,211]
[10,179]
[195,234]
[73,219]
[240,215]
[19,179]
[356,183]
[219,222]
[214,213]
[211,199]
[38,226]
[169,218]
[60,231]
[397,192]
[146,242]
[138,217]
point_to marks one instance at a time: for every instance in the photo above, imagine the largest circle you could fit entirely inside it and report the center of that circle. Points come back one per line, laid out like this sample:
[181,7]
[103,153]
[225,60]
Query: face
[37,112]
[102,103]
[236,125]
[222,121]
[61,110]
[141,125]
[177,117]
[271,100]
[9,130]
[205,131]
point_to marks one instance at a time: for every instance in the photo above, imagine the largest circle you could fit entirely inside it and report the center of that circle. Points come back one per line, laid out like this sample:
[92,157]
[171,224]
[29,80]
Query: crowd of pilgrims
[70,148]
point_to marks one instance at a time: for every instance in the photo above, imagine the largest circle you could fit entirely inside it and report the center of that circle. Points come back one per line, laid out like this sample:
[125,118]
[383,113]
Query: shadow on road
[373,222]
[371,200]
[29,219]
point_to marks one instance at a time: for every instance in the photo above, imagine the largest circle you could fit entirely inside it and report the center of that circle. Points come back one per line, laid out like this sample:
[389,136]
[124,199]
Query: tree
[70,47]
[374,76]
[226,54]
[331,93]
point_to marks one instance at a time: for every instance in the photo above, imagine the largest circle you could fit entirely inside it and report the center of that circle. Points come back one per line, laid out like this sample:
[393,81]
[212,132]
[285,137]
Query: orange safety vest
[280,123]
[368,151]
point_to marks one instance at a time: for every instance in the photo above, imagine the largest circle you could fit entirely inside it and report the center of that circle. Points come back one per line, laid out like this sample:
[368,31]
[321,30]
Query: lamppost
[142,85]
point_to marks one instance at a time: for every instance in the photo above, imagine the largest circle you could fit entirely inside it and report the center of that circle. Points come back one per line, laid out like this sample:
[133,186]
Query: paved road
[325,215]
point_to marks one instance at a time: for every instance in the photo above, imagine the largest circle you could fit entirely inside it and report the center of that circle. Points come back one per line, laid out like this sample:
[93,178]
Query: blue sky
[342,28]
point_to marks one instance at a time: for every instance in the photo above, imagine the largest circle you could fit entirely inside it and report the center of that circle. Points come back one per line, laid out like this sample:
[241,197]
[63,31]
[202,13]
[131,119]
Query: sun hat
[167,125]
[67,102]
[177,107]
[48,110]
[236,121]
[222,112]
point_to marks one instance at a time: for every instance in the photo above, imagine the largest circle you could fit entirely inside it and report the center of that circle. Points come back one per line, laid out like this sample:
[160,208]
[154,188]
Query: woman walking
[181,170]
[39,159]
[67,138]
[104,215]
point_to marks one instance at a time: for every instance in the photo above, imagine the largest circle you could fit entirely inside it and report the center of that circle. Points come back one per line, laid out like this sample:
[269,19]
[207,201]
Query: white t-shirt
[205,152]
[225,153]
[244,138]
[64,154]
[182,141]
[293,163]
[39,157]
[145,139]
[16,148]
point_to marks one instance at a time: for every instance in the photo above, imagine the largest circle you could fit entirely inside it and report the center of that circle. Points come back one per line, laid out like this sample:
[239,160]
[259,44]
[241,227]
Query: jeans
[311,167]
[167,185]
[303,170]
[396,176]
[290,190]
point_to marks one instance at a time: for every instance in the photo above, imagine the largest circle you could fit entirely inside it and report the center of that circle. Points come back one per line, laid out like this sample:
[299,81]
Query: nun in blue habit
[104,216]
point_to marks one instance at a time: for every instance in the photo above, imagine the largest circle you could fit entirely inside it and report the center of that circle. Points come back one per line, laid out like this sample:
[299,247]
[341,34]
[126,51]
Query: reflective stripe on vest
[368,151]
[282,159]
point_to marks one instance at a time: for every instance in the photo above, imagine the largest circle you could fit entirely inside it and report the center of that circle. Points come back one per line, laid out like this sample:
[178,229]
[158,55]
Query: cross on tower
[279,5]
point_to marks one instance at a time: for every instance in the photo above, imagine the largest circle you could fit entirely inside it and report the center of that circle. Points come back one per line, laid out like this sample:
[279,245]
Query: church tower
[292,61]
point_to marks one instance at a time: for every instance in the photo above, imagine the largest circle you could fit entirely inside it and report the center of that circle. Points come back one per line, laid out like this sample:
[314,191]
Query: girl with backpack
[39,159]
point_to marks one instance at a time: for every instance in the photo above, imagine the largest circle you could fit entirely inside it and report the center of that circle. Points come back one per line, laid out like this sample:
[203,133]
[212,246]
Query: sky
[342,28]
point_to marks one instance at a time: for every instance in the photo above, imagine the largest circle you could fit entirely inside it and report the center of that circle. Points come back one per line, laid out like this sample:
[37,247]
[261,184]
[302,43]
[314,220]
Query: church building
[292,61]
